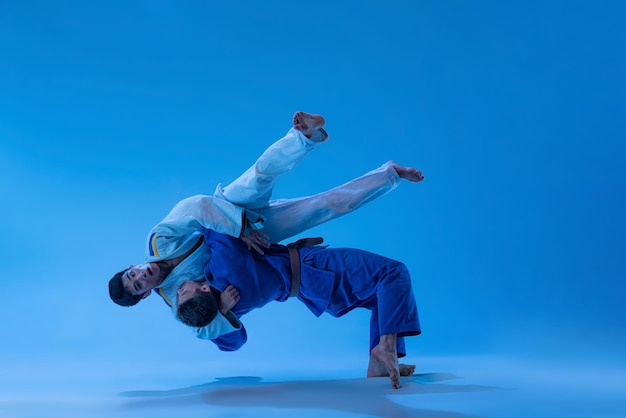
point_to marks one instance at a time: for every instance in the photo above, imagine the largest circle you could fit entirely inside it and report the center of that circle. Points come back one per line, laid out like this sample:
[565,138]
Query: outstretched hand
[256,240]
[228,299]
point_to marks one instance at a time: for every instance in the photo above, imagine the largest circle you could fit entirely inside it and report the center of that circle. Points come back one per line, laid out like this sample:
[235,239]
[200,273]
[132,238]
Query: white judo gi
[245,203]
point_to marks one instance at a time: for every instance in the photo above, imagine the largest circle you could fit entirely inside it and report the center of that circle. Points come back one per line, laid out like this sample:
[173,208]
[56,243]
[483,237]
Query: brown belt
[294,259]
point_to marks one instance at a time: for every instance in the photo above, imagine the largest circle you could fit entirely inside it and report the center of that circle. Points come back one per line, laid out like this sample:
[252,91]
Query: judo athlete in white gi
[332,280]
[175,251]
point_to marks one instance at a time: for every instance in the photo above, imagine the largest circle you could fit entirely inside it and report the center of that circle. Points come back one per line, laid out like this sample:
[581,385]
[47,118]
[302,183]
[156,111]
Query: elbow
[232,341]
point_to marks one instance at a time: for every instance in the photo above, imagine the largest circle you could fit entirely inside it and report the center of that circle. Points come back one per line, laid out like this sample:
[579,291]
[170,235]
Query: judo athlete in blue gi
[175,251]
[332,280]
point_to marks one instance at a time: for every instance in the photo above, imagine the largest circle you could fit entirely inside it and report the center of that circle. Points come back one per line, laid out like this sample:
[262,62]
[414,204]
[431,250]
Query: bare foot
[307,123]
[407,369]
[377,369]
[408,173]
[384,362]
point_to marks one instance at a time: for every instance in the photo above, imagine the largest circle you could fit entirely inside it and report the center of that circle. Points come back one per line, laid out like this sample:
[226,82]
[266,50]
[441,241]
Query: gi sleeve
[232,341]
[220,325]
[203,212]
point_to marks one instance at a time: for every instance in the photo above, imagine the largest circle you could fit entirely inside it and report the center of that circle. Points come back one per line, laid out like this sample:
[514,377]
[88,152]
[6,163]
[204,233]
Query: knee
[399,266]
[399,272]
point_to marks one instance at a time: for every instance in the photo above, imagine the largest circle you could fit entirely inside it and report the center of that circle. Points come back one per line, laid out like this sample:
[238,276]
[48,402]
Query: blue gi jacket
[262,279]
[334,281]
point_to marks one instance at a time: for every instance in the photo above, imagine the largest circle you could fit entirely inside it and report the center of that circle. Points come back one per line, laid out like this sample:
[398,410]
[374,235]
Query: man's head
[196,305]
[129,286]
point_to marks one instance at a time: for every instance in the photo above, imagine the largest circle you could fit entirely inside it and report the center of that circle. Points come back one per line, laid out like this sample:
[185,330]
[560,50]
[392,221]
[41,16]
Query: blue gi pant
[371,281]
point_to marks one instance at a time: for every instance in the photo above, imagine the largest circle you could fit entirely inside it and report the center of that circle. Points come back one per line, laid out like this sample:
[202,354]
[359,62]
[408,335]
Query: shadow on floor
[361,396]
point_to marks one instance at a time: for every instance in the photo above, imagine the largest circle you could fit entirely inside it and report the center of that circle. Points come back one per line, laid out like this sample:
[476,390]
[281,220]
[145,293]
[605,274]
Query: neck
[166,269]
[168,265]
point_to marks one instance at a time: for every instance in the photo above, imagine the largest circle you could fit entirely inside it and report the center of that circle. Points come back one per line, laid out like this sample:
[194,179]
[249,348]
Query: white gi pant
[284,218]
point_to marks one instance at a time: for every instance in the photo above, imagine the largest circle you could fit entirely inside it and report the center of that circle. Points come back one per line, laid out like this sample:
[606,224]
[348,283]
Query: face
[188,289]
[141,279]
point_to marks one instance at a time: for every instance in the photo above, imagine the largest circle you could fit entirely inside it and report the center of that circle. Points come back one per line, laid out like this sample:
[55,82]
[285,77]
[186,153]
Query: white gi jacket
[246,203]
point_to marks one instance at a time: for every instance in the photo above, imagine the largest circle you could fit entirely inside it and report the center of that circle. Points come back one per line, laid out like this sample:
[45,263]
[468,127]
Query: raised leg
[288,217]
[253,189]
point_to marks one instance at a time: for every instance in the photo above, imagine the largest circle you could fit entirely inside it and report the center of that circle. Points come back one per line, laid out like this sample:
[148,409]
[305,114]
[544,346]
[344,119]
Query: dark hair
[199,310]
[118,292]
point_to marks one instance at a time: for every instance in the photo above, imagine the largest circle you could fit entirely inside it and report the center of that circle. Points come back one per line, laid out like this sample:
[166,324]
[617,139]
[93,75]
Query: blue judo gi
[333,280]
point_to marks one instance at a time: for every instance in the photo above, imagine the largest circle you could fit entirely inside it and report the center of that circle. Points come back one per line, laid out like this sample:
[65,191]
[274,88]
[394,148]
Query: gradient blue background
[111,112]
